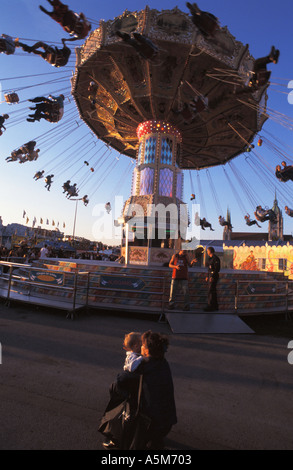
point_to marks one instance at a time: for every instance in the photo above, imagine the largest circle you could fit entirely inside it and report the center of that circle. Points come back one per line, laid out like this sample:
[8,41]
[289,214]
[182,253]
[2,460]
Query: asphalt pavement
[232,391]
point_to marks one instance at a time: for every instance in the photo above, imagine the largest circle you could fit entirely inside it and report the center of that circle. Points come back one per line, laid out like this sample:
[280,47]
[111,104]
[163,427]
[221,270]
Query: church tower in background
[276,228]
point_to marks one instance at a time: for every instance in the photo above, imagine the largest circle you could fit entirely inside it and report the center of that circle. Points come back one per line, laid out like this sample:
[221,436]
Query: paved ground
[232,391]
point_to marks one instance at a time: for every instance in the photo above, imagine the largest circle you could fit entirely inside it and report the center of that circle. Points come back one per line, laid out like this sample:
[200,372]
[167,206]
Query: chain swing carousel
[174,91]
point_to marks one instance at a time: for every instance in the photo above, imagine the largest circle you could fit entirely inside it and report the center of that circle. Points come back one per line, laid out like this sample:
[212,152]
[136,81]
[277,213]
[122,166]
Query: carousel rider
[284,174]
[51,108]
[108,207]
[85,200]
[287,171]
[52,54]
[260,73]
[48,181]
[66,186]
[15,155]
[289,211]
[3,118]
[29,150]
[39,175]
[72,191]
[202,222]
[70,21]
[25,153]
[7,45]
[206,22]
[263,215]
[250,222]
[146,49]
[224,223]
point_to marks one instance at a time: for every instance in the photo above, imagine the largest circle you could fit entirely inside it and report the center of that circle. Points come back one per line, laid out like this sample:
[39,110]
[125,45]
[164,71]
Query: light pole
[75,214]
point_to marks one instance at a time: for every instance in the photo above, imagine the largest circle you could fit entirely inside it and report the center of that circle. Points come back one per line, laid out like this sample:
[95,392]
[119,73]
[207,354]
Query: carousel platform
[73,285]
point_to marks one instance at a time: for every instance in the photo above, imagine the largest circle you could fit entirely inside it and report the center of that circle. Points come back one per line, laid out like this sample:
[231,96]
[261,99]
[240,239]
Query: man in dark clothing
[214,266]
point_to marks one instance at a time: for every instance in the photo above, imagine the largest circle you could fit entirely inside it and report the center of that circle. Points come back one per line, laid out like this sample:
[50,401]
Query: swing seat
[11,98]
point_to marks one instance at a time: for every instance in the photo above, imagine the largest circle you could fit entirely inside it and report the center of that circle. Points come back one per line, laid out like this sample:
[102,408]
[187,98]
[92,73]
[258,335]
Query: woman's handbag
[127,430]
[112,424]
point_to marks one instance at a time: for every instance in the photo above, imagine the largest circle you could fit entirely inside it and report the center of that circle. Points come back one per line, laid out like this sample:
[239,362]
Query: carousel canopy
[198,83]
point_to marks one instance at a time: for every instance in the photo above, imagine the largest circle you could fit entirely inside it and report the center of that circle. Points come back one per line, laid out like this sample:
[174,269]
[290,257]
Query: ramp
[197,323]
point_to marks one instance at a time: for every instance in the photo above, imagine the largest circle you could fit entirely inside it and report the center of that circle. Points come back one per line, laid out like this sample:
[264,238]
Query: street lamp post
[75,215]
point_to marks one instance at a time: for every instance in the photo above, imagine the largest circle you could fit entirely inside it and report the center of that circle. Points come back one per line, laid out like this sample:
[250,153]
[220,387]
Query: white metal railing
[282,291]
[82,284]
[9,278]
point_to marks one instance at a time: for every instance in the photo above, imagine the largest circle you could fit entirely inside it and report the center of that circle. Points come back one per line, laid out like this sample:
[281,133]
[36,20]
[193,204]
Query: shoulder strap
[139,393]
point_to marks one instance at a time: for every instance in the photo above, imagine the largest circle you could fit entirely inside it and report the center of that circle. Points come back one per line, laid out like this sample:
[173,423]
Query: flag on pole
[23,214]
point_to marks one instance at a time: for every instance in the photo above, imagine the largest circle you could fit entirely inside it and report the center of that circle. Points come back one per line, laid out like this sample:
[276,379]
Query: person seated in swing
[92,89]
[33,155]
[263,215]
[202,222]
[81,27]
[72,191]
[7,45]
[51,54]
[51,109]
[59,10]
[39,175]
[85,200]
[66,186]
[29,150]
[22,158]
[15,154]
[279,174]
[287,171]
[206,22]
[20,154]
[108,207]
[145,48]
[261,75]
[289,211]
[48,181]
[3,118]
[70,21]
[250,222]
[224,222]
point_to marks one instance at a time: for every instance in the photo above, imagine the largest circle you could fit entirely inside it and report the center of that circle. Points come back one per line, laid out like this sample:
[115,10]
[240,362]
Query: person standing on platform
[214,266]
[179,263]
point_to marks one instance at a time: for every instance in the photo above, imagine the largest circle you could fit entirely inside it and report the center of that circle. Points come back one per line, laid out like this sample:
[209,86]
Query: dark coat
[214,267]
[158,392]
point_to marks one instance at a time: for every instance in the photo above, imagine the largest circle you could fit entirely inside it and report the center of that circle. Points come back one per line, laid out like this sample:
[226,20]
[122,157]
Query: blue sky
[65,146]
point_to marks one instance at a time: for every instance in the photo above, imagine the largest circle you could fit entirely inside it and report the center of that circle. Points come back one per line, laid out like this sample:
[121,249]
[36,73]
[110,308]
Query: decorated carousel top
[169,66]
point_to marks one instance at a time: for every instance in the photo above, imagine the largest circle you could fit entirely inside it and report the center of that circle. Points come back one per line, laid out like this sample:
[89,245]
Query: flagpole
[73,236]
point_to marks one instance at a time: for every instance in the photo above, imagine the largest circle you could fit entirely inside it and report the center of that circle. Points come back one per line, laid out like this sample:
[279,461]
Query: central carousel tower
[174,91]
